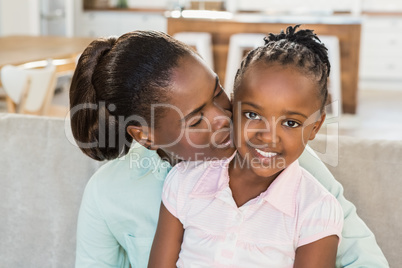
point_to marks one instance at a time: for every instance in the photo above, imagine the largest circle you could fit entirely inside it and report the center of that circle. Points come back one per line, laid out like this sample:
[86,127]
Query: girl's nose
[268,133]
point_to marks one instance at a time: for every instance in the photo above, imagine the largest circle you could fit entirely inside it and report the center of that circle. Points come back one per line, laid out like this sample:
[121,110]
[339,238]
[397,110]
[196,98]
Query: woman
[146,86]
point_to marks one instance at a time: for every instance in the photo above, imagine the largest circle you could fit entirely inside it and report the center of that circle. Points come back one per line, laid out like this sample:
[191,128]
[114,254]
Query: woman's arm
[319,254]
[96,245]
[167,242]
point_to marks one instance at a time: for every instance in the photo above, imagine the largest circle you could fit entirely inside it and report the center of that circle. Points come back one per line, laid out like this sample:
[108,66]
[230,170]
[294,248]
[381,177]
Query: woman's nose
[221,118]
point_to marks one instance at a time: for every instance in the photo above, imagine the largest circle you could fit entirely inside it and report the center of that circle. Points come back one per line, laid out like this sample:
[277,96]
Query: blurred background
[365,49]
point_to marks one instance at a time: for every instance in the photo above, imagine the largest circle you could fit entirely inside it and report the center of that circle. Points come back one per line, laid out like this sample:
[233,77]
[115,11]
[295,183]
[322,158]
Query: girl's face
[197,122]
[276,111]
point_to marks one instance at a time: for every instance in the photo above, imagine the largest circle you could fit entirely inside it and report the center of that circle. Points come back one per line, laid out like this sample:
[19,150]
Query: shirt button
[239,217]
[232,237]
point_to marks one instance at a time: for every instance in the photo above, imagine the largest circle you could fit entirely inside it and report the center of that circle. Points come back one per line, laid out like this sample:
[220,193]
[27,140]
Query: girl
[148,89]
[259,208]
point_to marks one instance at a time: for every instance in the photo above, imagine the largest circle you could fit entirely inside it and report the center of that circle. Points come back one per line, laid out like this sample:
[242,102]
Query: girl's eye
[198,121]
[252,116]
[291,123]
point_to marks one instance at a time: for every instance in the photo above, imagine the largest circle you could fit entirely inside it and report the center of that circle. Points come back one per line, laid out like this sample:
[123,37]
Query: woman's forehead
[193,83]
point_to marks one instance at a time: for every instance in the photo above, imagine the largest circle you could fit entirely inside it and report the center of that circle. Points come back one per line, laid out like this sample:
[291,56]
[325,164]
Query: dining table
[23,49]
[31,51]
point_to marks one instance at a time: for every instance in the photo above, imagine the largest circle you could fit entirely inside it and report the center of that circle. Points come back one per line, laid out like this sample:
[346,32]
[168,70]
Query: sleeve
[170,192]
[358,247]
[322,219]
[96,245]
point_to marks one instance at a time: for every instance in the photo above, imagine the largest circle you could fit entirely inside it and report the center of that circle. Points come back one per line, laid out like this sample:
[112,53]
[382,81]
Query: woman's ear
[141,134]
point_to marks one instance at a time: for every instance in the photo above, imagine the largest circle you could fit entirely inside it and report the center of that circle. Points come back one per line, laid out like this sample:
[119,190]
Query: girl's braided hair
[301,49]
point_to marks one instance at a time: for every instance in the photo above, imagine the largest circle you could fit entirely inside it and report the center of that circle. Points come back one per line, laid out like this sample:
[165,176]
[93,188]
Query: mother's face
[197,121]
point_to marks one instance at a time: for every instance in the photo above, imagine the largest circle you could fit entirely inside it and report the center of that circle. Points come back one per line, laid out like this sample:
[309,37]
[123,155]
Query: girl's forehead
[274,81]
[267,72]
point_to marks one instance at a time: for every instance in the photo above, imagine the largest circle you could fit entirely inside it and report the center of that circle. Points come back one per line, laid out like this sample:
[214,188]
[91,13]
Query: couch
[43,175]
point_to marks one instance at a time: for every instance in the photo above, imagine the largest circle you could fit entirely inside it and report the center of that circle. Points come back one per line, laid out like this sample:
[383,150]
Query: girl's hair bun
[304,37]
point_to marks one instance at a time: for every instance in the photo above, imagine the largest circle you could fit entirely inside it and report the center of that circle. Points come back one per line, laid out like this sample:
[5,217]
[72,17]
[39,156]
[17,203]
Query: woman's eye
[198,121]
[291,123]
[219,93]
[252,116]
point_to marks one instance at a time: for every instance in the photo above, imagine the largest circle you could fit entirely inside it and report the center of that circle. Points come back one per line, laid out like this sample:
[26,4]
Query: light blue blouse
[120,207]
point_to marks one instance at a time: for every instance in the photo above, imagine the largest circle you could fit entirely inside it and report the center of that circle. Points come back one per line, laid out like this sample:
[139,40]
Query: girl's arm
[167,242]
[319,254]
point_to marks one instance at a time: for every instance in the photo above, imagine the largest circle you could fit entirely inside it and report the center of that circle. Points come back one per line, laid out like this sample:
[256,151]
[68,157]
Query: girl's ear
[141,134]
[317,126]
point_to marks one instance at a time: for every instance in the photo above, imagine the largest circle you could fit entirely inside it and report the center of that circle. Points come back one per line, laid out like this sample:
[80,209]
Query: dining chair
[29,91]
[201,41]
[238,45]
[334,108]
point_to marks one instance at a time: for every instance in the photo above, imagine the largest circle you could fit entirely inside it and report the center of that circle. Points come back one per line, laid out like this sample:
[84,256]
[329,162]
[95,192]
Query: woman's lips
[225,142]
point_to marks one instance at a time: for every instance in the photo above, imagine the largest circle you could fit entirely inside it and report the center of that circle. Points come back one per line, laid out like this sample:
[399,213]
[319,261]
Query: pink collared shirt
[265,232]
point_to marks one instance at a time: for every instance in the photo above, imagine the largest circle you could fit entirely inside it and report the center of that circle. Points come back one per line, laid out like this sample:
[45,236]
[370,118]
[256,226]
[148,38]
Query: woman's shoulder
[137,165]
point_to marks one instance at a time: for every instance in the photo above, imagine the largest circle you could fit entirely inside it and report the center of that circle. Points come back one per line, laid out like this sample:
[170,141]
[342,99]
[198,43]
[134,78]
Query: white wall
[19,17]
[1,16]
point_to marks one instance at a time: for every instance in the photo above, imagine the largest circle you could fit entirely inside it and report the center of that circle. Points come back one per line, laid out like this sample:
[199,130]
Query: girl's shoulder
[312,195]
[311,186]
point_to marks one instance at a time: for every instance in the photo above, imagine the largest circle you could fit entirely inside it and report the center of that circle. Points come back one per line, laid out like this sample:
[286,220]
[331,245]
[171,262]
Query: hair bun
[83,94]
[304,37]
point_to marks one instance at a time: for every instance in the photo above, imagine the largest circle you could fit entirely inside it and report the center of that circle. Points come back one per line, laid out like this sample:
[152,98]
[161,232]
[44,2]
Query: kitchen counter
[260,18]
[346,28]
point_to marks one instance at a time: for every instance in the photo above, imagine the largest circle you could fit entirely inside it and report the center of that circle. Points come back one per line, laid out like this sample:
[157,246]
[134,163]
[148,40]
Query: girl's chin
[265,172]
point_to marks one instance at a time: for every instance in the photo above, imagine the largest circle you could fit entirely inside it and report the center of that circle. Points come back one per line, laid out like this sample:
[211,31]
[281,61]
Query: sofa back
[43,175]
[42,178]
[371,174]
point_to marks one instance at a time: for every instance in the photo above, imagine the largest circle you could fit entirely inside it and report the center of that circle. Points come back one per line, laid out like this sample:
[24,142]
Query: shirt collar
[283,190]
[281,193]
[142,161]
[214,178]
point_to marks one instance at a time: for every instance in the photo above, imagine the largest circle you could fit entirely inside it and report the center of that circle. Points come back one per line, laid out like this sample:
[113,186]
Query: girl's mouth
[265,154]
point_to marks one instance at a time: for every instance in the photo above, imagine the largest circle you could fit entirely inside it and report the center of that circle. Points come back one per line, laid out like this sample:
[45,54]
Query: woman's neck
[168,157]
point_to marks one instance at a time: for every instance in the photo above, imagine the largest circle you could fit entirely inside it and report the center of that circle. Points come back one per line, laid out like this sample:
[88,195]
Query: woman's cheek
[197,138]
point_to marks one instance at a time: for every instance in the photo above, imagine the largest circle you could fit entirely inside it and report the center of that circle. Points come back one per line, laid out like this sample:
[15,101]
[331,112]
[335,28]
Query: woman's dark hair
[114,85]
[301,49]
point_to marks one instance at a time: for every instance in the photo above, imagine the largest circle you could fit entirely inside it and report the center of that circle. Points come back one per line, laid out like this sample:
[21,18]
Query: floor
[379,115]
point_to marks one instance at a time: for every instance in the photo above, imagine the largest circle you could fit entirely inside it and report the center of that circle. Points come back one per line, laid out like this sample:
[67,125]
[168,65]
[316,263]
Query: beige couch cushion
[371,174]
[43,175]
[42,178]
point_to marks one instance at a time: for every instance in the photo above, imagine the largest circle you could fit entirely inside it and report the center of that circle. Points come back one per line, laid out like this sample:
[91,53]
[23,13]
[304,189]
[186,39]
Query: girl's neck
[244,183]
